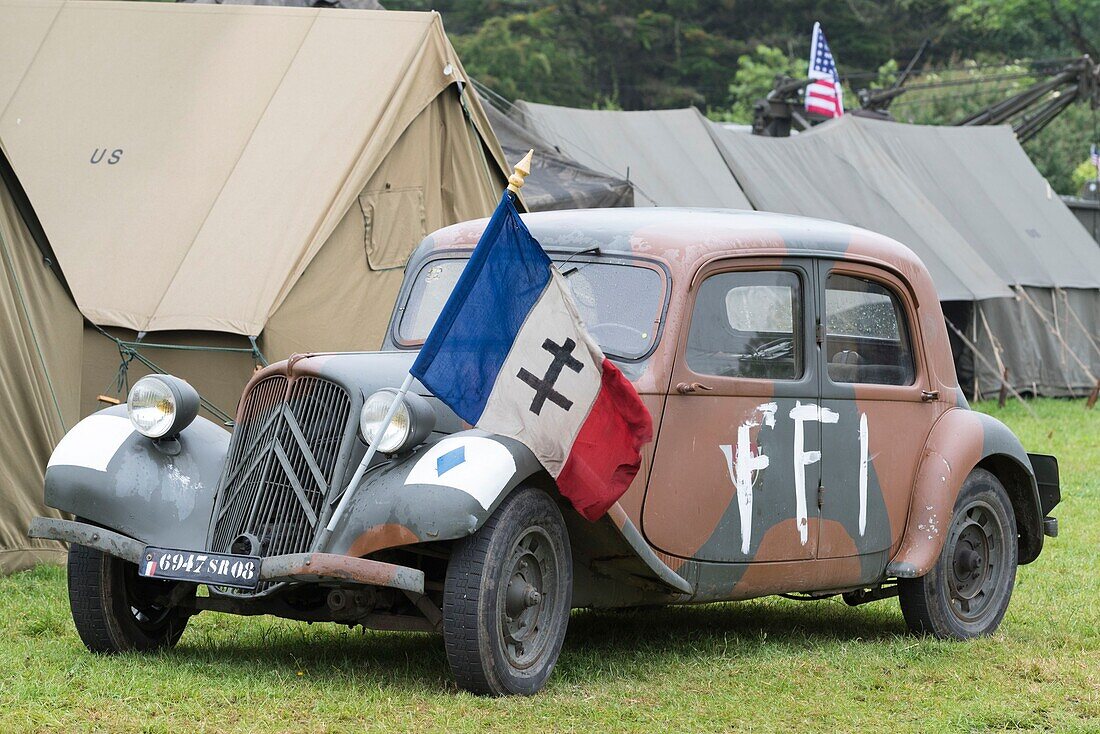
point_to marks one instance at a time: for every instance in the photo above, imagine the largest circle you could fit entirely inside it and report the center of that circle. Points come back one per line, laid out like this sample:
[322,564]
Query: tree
[754,78]
[1058,26]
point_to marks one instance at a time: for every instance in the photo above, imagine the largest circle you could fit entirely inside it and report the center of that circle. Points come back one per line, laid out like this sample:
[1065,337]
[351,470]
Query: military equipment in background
[813,440]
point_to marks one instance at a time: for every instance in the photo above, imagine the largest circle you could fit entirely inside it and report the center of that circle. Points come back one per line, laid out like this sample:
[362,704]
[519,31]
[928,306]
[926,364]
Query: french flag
[510,354]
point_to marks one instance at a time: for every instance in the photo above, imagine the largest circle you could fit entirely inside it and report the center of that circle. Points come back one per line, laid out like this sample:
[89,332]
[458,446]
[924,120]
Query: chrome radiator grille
[282,461]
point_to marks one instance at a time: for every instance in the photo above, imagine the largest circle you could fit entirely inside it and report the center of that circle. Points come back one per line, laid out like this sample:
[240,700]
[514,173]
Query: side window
[867,338]
[748,324]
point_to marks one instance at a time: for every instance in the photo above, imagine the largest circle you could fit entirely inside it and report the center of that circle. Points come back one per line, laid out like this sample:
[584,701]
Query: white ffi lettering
[742,466]
[800,414]
[863,440]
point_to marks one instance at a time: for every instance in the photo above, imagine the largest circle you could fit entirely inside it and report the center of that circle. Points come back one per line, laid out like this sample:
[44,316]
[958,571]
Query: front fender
[960,440]
[442,491]
[109,474]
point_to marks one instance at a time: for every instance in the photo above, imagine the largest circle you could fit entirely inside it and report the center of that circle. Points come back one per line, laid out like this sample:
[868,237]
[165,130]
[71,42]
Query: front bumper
[301,567]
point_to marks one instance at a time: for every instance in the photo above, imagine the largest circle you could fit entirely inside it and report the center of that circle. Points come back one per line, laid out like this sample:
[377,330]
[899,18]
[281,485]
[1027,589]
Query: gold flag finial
[522,171]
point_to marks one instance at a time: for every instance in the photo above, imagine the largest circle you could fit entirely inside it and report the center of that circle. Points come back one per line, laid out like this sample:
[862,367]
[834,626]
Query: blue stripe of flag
[507,273]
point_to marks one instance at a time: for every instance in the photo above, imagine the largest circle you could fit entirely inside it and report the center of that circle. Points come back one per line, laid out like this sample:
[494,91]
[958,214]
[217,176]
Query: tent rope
[129,351]
[1056,331]
[985,360]
[30,325]
[1084,330]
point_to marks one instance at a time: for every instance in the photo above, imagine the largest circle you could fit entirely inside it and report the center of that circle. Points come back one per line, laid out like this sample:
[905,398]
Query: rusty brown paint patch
[953,449]
[379,537]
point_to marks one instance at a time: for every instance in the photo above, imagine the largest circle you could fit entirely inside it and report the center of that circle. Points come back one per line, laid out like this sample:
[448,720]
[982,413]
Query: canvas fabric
[556,180]
[40,357]
[667,155]
[209,152]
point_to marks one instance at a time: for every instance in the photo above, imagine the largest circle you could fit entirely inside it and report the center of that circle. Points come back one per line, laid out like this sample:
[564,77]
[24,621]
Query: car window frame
[901,290]
[805,387]
[560,256]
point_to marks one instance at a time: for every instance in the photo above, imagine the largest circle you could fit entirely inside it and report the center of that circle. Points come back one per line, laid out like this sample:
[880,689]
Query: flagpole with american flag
[824,95]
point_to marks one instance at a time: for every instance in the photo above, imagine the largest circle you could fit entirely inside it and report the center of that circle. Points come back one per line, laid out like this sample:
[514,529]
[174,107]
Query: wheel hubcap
[527,598]
[976,541]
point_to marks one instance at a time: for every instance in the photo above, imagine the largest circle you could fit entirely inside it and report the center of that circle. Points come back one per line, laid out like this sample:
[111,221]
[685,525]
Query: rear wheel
[507,598]
[116,610]
[967,592]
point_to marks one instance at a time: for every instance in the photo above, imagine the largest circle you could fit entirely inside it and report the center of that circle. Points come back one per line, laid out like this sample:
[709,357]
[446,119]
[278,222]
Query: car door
[735,470]
[874,379]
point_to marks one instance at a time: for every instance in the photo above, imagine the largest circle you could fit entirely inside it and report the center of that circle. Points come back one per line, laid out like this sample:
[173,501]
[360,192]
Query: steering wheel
[642,338]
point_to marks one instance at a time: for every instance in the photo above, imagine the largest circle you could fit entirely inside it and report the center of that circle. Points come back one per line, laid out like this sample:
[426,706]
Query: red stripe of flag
[605,456]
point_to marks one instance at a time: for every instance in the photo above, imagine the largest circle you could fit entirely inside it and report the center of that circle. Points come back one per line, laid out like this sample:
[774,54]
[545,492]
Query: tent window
[394,223]
[867,339]
[748,324]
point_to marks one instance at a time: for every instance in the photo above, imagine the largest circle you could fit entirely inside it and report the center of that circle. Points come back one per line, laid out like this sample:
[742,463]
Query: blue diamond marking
[450,460]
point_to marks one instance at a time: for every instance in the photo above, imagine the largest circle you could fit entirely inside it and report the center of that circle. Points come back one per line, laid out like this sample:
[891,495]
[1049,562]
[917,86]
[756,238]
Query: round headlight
[161,406]
[411,424]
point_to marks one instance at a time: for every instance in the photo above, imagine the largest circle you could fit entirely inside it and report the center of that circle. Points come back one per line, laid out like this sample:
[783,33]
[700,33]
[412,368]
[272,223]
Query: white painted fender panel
[92,442]
[478,466]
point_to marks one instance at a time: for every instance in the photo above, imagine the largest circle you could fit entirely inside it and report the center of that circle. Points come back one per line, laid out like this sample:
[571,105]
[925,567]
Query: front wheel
[116,610]
[507,597]
[967,592]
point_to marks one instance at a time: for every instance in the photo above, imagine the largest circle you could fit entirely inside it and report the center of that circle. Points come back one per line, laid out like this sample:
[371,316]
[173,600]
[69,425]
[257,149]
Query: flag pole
[515,182]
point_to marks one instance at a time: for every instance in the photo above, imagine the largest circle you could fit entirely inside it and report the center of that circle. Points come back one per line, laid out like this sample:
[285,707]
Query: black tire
[507,598]
[115,610]
[966,593]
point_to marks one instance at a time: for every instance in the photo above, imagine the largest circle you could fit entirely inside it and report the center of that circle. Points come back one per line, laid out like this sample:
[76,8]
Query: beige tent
[206,174]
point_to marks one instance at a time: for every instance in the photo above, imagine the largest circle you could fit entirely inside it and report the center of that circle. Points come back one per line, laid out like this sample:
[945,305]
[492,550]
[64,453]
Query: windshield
[620,303]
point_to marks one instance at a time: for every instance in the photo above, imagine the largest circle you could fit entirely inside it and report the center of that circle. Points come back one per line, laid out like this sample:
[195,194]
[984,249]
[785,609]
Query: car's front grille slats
[282,463]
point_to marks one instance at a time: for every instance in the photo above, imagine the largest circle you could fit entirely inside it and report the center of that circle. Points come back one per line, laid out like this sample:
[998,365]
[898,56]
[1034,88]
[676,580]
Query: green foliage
[1084,173]
[1056,26]
[518,55]
[755,75]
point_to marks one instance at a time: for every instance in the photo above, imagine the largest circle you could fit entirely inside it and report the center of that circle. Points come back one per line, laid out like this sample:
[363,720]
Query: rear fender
[109,474]
[960,441]
[442,491]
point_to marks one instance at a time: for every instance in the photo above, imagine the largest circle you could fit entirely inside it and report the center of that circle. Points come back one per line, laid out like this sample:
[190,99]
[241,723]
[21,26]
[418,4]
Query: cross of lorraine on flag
[510,355]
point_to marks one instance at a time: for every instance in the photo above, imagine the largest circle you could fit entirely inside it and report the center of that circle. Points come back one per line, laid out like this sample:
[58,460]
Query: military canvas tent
[1087,212]
[666,154]
[249,179]
[1018,274]
[556,181]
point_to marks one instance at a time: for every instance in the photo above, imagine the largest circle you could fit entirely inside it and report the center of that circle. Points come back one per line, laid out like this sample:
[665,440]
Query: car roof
[684,237]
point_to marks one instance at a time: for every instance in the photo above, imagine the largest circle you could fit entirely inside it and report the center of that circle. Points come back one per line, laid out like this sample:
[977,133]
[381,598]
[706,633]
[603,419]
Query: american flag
[824,95]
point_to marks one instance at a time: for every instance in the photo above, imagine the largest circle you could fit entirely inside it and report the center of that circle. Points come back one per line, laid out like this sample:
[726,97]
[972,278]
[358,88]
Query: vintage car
[811,440]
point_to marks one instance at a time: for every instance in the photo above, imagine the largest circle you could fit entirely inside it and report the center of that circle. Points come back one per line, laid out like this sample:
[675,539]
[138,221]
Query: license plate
[215,569]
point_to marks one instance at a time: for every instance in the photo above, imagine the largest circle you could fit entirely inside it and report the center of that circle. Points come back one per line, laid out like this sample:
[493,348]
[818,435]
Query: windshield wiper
[594,250]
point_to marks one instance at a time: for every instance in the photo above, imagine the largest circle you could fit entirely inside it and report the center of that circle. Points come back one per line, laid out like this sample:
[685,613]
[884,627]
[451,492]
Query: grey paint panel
[145,493]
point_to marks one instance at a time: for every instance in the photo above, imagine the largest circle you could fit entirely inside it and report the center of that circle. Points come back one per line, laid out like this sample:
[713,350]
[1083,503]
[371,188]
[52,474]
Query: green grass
[769,665]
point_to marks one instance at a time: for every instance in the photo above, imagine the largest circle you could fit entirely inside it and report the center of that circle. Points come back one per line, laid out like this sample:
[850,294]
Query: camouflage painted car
[812,440]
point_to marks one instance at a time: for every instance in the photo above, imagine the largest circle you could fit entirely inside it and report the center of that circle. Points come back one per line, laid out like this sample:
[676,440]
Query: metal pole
[372,449]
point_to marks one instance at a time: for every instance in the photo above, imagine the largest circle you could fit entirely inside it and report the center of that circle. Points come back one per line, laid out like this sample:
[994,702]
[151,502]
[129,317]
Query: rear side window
[747,324]
[867,337]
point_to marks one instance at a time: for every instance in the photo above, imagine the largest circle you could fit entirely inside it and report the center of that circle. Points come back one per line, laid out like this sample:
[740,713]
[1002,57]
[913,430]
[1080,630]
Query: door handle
[929,395]
[687,388]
